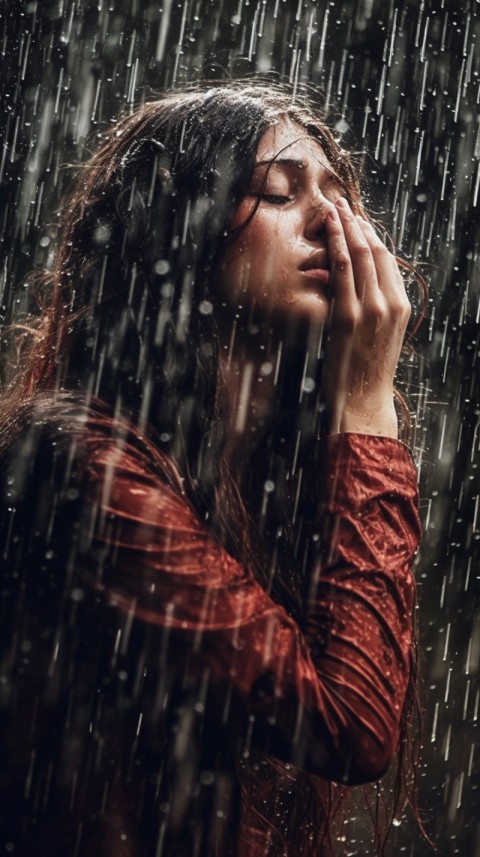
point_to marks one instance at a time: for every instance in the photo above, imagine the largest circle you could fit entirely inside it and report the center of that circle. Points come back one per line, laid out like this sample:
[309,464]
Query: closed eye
[272,198]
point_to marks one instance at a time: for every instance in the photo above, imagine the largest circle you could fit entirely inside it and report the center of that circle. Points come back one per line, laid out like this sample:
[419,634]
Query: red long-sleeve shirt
[215,660]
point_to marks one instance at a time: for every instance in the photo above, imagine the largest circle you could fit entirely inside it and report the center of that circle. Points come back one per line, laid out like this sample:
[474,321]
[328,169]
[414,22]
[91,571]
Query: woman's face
[279,264]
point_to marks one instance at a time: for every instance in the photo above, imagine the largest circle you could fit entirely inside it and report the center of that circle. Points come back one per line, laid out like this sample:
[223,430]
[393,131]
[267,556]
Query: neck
[252,386]
[276,384]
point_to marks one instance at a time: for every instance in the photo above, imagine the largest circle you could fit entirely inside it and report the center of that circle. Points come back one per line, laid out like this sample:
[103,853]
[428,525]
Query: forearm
[362,589]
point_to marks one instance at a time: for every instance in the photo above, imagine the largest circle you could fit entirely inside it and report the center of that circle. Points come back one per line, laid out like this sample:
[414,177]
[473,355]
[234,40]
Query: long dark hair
[130,307]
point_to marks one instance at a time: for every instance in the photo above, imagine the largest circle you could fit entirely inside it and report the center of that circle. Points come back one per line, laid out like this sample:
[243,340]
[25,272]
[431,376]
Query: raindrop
[102,233]
[205,308]
[161,267]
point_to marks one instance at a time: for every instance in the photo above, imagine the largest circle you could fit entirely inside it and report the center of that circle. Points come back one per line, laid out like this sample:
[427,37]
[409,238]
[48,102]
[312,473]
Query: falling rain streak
[401,81]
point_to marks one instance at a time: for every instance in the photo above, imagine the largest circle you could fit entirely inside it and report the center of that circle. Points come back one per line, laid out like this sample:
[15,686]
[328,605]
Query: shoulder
[70,465]
[65,439]
[91,493]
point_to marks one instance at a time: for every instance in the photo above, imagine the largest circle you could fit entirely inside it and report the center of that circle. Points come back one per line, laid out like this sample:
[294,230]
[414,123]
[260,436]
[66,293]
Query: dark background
[402,80]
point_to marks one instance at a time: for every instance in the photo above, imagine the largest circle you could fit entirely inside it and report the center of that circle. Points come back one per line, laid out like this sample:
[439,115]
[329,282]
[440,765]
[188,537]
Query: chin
[309,307]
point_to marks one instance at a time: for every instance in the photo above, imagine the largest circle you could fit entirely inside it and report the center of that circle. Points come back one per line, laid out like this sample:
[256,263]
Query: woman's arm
[327,697]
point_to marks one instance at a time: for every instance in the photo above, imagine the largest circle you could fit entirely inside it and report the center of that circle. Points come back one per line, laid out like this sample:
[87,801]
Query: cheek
[246,261]
[258,265]
[265,241]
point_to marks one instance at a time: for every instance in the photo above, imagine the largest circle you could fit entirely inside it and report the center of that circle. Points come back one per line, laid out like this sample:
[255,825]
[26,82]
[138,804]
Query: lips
[316,266]
[317,260]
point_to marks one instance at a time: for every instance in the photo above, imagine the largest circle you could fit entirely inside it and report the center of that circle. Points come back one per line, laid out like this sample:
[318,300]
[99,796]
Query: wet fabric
[156,700]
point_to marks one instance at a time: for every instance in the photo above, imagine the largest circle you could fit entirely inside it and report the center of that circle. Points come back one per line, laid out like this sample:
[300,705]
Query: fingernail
[332,214]
[342,202]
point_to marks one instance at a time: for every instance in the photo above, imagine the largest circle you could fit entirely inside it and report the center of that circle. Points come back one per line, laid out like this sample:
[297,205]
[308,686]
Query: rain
[401,79]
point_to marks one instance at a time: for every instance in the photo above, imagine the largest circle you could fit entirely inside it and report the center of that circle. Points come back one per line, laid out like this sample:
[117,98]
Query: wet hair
[130,305]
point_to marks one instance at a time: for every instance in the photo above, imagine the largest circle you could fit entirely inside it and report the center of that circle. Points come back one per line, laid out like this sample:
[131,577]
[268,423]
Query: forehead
[290,140]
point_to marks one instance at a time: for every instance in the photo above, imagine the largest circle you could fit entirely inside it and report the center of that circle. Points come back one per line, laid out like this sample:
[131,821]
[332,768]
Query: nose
[315,214]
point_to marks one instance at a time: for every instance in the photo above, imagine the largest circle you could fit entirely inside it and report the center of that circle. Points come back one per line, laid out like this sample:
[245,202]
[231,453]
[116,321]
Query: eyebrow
[298,164]
[285,162]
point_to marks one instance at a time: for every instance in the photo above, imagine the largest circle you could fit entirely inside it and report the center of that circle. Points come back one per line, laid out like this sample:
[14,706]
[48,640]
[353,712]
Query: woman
[209,521]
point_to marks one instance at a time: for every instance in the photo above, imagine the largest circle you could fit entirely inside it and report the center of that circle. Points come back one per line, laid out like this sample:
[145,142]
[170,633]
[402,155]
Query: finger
[363,264]
[387,267]
[343,282]
[389,276]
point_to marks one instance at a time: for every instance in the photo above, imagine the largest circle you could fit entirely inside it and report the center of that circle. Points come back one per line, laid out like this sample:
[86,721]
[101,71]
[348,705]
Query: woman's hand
[369,315]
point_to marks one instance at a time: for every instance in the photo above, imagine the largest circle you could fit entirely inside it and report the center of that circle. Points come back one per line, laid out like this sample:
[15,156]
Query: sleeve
[328,696]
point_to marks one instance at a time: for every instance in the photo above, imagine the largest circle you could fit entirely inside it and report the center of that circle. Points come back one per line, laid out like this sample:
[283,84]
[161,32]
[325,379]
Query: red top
[321,697]
[333,689]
